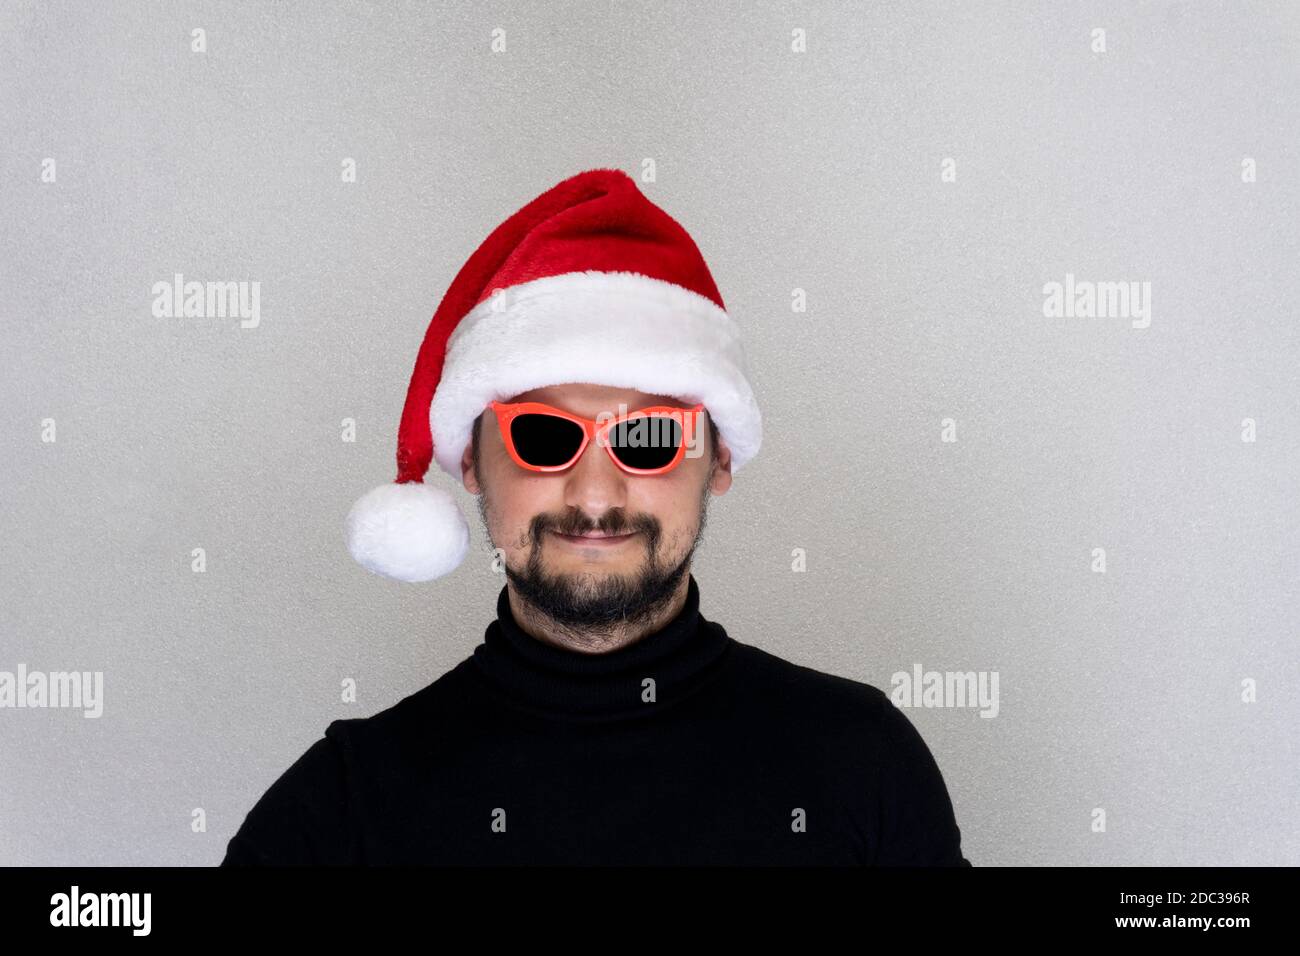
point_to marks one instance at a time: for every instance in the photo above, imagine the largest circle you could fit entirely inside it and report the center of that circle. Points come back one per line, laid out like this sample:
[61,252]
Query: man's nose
[594,483]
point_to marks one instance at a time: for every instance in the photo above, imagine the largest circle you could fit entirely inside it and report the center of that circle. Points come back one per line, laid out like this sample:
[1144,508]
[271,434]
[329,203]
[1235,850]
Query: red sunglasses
[648,441]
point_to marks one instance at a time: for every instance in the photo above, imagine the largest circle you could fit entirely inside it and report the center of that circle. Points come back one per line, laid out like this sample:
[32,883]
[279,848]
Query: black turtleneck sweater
[685,747]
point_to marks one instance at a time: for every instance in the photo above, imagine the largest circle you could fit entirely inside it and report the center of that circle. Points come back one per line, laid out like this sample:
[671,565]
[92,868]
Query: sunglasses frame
[507,412]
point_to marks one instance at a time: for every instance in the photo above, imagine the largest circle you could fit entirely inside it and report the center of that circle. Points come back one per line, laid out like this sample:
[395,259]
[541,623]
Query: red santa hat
[589,282]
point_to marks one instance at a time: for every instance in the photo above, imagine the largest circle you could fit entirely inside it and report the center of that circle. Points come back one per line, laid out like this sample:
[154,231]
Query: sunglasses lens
[647,441]
[545,440]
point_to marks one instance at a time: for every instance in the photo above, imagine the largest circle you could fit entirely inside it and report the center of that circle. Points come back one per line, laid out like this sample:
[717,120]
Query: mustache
[612,524]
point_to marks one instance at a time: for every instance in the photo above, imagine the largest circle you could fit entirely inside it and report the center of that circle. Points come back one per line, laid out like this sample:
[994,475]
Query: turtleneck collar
[575,685]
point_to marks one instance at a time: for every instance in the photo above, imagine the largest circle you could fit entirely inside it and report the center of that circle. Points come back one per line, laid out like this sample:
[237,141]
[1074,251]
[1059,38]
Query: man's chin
[591,597]
[594,586]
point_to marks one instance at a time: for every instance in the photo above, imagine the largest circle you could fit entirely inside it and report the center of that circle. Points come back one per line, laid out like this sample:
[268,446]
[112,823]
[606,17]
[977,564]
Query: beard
[596,602]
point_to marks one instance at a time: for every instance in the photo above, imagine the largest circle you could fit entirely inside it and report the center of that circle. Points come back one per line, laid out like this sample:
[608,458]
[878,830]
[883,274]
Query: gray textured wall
[820,171]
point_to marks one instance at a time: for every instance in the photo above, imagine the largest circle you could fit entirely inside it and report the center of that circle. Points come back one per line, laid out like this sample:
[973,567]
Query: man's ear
[467,476]
[720,479]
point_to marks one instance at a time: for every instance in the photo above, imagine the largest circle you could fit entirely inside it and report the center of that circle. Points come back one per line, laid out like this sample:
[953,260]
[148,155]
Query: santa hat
[589,282]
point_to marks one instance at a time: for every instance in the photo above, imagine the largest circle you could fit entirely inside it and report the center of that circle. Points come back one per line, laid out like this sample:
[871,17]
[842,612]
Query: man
[603,719]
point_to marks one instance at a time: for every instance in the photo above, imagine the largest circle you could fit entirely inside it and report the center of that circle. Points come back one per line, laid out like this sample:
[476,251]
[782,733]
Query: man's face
[531,516]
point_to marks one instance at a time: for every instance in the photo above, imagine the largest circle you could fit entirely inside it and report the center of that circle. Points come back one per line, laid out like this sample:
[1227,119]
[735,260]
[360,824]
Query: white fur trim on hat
[409,531]
[620,329]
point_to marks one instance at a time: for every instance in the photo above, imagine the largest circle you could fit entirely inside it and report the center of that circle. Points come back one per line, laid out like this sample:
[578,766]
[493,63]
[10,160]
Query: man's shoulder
[802,678]
[413,714]
[816,694]
[307,813]
[873,744]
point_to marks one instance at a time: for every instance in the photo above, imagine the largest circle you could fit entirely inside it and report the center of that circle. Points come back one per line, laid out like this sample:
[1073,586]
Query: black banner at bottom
[656,906]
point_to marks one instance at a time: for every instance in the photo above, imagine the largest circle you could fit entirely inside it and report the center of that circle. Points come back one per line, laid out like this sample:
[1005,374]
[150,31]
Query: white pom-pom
[410,531]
